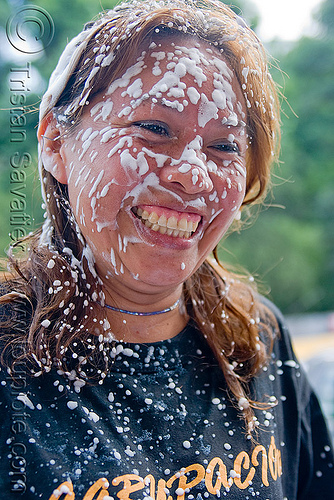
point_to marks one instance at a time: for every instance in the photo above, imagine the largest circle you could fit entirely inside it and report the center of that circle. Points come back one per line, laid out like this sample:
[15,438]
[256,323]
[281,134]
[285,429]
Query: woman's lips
[167,221]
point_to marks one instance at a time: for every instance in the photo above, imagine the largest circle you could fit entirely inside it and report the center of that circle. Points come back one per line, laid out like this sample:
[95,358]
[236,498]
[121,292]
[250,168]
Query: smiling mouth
[167,221]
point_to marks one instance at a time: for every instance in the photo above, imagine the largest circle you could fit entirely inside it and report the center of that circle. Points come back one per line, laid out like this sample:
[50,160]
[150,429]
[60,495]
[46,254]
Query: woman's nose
[192,179]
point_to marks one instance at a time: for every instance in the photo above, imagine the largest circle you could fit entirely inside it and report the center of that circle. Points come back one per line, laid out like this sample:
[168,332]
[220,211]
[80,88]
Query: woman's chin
[159,277]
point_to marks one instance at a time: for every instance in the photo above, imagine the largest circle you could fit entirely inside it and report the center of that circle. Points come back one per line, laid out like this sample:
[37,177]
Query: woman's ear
[51,151]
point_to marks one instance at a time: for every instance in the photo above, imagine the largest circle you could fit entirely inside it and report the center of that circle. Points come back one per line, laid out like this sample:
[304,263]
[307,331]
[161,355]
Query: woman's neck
[149,324]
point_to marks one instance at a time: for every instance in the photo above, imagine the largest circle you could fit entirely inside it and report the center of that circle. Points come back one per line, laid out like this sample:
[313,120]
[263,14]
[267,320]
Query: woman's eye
[228,147]
[154,127]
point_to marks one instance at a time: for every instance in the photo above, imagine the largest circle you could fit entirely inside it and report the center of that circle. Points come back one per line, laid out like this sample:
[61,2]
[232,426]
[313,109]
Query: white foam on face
[105,189]
[142,163]
[219,98]
[150,188]
[134,90]
[87,140]
[86,134]
[128,161]
[212,167]
[104,108]
[193,95]
[181,68]
[112,257]
[191,157]
[215,214]
[184,168]
[159,56]
[168,81]
[207,111]
[102,225]
[192,64]
[107,134]
[118,147]
[176,92]
[156,70]
[240,169]
[124,81]
[96,183]
[223,68]
[78,200]
[173,104]
[213,196]
[93,156]
[125,111]
[158,157]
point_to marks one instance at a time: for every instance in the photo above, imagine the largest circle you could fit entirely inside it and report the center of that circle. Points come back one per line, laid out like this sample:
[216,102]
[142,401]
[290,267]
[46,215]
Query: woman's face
[156,166]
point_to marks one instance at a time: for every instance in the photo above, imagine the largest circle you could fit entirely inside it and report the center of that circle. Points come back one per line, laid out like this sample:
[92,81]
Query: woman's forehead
[186,56]
[180,72]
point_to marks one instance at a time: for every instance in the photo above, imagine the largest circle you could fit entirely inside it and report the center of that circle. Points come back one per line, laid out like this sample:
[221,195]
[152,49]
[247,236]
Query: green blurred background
[290,247]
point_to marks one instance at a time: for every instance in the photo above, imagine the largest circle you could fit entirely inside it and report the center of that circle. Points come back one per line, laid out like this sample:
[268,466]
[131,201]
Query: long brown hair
[58,281]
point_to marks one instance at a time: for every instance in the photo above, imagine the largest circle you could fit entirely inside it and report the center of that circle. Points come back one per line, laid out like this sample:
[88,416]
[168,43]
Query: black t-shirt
[162,427]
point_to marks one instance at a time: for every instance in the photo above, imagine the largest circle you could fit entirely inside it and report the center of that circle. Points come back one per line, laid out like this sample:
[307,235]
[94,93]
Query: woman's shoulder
[270,312]
[272,319]
[284,366]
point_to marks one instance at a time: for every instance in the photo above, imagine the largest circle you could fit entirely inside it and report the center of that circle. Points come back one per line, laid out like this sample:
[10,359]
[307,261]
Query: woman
[133,366]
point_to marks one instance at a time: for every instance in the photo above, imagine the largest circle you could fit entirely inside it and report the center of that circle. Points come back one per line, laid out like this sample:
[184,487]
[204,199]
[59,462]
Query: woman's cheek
[229,189]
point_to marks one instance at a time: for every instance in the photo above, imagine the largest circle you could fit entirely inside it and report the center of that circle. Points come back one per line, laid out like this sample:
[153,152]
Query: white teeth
[192,226]
[172,223]
[162,221]
[183,225]
[153,217]
[172,226]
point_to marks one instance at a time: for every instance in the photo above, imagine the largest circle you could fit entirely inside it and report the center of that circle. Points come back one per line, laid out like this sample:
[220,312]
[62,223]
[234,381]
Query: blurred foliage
[290,250]
[325,16]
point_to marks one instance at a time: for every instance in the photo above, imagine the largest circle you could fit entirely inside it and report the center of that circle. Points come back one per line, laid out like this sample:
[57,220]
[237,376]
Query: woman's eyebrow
[237,129]
[166,104]
[230,122]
